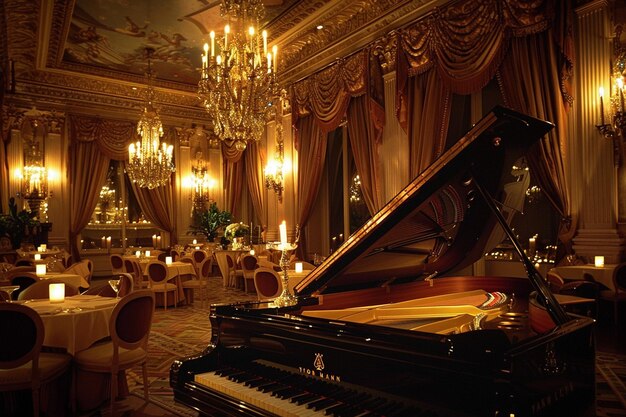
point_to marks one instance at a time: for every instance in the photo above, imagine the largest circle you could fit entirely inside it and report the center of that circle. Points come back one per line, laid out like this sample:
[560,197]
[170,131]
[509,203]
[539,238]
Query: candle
[37,257]
[212,35]
[298,267]
[531,246]
[264,34]
[56,292]
[226,32]
[154,241]
[620,87]
[138,254]
[599,261]
[168,260]
[40,270]
[275,54]
[158,242]
[252,252]
[601,92]
[194,242]
[283,233]
[43,247]
[103,244]
[147,253]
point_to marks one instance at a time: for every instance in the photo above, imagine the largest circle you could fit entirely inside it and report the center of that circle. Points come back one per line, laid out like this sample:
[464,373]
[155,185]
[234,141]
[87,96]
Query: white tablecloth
[76,323]
[602,275]
[74,280]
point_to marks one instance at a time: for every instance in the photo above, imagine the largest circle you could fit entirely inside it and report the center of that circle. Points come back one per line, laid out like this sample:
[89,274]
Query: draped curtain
[255,180]
[311,157]
[319,105]
[365,139]
[233,168]
[460,48]
[530,82]
[93,143]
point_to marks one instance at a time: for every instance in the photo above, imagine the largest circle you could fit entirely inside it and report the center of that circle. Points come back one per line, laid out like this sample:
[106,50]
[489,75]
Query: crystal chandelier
[148,166]
[238,81]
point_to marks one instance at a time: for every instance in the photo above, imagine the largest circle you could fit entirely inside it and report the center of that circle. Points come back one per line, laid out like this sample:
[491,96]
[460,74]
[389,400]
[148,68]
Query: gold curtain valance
[326,95]
[466,41]
[112,136]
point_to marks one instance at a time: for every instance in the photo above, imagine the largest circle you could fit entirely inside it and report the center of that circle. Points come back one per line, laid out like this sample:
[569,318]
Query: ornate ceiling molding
[348,27]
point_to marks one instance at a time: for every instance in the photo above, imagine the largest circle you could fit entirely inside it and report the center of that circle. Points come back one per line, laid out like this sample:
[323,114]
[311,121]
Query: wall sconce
[201,183]
[616,125]
[273,172]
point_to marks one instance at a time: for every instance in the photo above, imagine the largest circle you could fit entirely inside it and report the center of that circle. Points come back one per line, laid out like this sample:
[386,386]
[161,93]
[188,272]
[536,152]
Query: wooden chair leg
[144,371]
[36,401]
[113,392]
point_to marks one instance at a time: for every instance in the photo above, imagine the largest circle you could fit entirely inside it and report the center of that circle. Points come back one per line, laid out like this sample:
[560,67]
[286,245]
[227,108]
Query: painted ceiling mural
[115,34]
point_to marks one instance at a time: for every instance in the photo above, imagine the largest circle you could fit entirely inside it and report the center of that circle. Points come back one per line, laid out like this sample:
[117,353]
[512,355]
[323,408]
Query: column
[597,227]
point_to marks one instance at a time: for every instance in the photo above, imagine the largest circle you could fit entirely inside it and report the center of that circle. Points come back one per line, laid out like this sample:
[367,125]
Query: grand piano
[392,324]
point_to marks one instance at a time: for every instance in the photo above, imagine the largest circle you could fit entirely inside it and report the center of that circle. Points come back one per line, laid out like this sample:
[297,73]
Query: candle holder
[286,298]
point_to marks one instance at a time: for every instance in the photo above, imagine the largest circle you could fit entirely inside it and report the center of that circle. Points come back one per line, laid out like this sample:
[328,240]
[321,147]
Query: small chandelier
[274,172]
[238,80]
[202,184]
[148,166]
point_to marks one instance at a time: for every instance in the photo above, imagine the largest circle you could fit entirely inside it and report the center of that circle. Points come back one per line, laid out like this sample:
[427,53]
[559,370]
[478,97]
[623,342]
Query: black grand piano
[392,324]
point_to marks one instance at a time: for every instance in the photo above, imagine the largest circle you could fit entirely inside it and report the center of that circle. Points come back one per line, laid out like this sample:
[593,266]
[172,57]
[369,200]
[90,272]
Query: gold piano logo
[318,363]
[319,366]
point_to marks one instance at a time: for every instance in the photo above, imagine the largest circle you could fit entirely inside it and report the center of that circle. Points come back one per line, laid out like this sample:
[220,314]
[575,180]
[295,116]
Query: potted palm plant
[209,221]
[17,225]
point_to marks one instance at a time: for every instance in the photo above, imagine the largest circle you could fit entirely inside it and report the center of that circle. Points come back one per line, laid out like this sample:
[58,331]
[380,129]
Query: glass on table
[9,289]
[115,285]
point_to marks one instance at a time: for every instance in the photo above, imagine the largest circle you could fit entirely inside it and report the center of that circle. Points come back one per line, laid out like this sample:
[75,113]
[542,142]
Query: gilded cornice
[385,50]
[347,28]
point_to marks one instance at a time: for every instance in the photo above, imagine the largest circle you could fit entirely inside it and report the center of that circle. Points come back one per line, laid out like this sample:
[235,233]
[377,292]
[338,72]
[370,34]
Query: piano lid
[440,222]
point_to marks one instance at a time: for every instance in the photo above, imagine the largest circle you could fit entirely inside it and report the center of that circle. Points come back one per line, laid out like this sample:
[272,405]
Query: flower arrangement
[234,230]
[209,221]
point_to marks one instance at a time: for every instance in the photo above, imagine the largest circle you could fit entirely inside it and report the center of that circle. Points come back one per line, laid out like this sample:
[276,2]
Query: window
[117,220]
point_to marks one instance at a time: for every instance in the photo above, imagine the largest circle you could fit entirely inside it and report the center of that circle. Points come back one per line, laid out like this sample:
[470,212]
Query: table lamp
[57,292]
[298,267]
[37,256]
[40,270]
[599,261]
[168,260]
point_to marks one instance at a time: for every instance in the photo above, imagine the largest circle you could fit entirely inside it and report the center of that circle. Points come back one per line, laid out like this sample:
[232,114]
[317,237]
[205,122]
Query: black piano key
[321,404]
[304,398]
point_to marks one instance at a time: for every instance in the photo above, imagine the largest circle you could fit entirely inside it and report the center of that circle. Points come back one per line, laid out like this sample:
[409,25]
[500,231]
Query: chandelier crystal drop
[238,80]
[150,163]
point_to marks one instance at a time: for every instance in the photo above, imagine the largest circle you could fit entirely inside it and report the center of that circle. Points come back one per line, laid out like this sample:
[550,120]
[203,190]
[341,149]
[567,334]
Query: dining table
[601,274]
[75,323]
[177,272]
[75,280]
[222,263]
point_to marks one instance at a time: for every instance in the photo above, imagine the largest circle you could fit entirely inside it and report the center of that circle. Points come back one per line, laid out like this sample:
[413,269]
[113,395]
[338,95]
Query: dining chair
[248,265]
[23,262]
[198,256]
[617,294]
[125,288]
[24,280]
[267,283]
[157,275]
[84,268]
[117,263]
[134,268]
[200,282]
[233,273]
[40,290]
[161,256]
[175,255]
[23,366]
[129,329]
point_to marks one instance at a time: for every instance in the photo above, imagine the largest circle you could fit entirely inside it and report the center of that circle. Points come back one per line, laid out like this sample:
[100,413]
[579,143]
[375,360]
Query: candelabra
[286,298]
[614,130]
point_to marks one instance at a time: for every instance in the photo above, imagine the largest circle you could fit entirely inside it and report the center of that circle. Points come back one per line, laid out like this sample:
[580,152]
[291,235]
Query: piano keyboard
[286,394]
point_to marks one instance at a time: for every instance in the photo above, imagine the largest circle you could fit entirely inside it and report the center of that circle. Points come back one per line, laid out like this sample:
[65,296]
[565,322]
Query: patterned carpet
[186,330]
